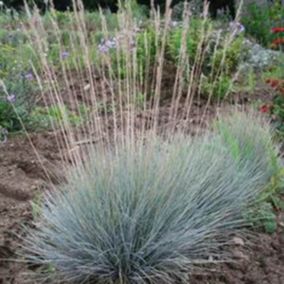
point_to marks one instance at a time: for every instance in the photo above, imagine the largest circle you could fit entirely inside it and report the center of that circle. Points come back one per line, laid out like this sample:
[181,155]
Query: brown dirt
[260,261]
[21,178]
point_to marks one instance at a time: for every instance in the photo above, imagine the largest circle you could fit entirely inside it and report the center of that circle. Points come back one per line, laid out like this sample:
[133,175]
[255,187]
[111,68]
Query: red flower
[278,41]
[264,109]
[274,83]
[277,30]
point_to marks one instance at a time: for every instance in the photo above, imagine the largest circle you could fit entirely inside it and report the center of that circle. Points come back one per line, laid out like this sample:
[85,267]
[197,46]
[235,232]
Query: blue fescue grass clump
[148,212]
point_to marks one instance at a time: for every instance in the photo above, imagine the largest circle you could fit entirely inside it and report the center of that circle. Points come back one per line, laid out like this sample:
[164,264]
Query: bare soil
[21,178]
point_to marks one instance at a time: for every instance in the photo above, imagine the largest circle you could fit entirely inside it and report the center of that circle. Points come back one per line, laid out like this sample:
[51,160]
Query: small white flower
[174,24]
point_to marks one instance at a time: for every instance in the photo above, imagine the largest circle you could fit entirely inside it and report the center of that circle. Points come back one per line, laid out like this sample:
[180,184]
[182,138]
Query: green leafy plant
[263,217]
[218,89]
[227,58]
[9,119]
[18,88]
[278,112]
[16,101]
[224,64]
[259,21]
[42,118]
[193,37]
[220,58]
[36,205]
[263,214]
[146,42]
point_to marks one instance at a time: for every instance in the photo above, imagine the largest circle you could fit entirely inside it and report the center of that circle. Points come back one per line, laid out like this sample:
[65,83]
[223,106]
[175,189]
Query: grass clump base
[148,211]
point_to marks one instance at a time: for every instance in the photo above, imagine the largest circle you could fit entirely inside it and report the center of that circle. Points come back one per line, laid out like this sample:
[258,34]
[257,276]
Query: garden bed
[146,87]
[258,260]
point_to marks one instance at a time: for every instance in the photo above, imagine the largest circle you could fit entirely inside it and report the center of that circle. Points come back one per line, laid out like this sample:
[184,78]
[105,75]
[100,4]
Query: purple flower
[11,98]
[103,48]
[240,28]
[111,43]
[3,135]
[29,76]
[108,44]
[65,54]
[237,27]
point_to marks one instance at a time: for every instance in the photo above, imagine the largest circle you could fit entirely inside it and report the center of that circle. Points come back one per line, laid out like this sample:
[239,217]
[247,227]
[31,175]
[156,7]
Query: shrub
[193,37]
[217,89]
[278,111]
[18,85]
[149,211]
[259,20]
[274,77]
[17,96]
[42,118]
[8,118]
[146,48]
[216,55]
[227,58]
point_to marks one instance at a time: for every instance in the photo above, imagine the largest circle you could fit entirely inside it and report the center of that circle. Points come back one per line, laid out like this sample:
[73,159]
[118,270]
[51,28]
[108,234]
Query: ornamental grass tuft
[150,211]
